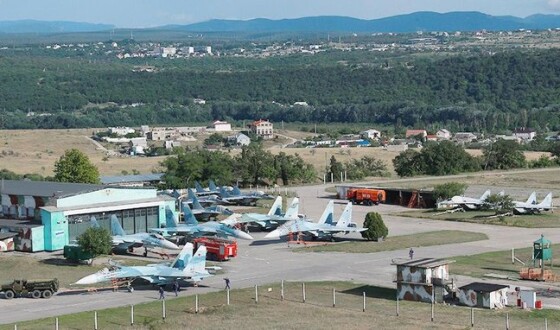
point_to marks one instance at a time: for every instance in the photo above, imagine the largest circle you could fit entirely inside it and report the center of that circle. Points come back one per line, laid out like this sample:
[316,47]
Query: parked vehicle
[366,196]
[33,288]
[76,254]
[218,249]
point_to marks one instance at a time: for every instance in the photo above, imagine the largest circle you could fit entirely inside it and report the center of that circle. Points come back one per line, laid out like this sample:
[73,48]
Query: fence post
[282,290]
[545,324]
[432,318]
[256,294]
[227,296]
[15,326]
[433,303]
[56,323]
[472,317]
[507,321]
[397,305]
[333,297]
[512,255]
[196,304]
[303,291]
[364,304]
[131,314]
[163,308]
[95,320]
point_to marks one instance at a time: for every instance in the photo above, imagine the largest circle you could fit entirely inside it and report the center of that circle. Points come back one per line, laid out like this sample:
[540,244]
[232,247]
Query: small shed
[483,295]
[423,279]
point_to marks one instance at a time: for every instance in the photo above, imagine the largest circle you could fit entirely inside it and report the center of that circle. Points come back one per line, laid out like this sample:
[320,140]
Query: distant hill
[46,27]
[418,21]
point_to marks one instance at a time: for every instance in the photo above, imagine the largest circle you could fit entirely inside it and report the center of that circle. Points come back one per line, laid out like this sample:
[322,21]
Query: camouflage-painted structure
[422,279]
[483,295]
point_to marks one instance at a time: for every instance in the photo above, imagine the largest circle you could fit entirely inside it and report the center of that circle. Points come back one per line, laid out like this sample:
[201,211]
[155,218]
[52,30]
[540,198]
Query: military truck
[30,288]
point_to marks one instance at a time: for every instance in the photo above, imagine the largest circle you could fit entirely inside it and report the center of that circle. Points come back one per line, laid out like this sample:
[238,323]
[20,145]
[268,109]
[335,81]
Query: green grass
[54,267]
[431,238]
[545,220]
[316,313]
[495,262]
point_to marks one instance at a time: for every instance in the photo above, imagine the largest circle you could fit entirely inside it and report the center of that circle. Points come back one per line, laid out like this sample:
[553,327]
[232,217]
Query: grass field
[15,266]
[495,262]
[400,242]
[544,220]
[35,151]
[291,313]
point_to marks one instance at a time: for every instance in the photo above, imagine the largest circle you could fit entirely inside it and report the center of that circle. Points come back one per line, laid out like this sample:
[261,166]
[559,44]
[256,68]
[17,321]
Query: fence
[334,305]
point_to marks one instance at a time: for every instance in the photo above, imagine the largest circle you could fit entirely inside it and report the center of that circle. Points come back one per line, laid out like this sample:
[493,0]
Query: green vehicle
[75,253]
[30,288]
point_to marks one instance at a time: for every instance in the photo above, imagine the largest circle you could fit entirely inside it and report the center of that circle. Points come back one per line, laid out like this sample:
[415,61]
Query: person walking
[161,293]
[227,283]
[411,253]
[176,287]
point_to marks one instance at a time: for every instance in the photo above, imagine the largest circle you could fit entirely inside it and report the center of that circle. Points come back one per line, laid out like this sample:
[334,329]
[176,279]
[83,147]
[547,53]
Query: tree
[96,241]
[503,155]
[499,203]
[408,163]
[75,166]
[449,189]
[376,228]
[255,164]
[335,168]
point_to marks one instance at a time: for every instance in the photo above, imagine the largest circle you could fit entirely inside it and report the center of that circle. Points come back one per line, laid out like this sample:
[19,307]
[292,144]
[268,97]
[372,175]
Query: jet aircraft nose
[273,234]
[170,245]
[90,279]
[243,235]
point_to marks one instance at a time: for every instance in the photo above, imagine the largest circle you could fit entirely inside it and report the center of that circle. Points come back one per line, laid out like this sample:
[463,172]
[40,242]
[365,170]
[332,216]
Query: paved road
[263,261]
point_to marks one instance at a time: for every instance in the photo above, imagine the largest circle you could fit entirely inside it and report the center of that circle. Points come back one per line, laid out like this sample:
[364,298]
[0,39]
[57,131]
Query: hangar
[48,215]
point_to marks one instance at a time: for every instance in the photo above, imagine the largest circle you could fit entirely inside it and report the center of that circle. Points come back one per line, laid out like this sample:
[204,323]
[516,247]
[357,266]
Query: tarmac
[264,261]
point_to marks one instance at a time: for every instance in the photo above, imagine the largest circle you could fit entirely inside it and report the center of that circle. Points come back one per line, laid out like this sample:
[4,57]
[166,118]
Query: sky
[149,13]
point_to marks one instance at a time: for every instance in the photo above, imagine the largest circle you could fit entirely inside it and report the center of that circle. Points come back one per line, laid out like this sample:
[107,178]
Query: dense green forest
[484,93]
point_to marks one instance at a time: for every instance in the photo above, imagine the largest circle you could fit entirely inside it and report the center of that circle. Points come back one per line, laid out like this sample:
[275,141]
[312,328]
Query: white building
[370,134]
[262,128]
[524,133]
[121,131]
[443,134]
[239,139]
[221,126]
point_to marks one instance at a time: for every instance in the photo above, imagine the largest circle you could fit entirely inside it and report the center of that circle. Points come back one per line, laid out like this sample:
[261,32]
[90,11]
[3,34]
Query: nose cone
[170,245]
[243,235]
[90,279]
[273,234]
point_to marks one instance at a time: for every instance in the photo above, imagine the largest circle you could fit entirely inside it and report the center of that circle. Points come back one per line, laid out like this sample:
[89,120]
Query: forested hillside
[482,93]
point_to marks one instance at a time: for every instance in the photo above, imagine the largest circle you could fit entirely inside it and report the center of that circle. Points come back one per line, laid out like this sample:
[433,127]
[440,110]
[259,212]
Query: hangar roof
[45,188]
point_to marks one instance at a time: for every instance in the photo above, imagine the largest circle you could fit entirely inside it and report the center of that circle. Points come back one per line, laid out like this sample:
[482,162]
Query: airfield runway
[265,261]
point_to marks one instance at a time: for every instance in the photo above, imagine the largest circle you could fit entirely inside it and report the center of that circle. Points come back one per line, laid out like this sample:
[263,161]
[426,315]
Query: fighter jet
[207,213]
[127,242]
[274,217]
[324,229]
[192,227]
[467,203]
[184,267]
[238,198]
[211,190]
[531,206]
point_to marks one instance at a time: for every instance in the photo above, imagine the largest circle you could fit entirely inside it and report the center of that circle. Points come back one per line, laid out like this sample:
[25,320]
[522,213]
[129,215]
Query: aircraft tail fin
[293,210]
[197,263]
[346,216]
[485,195]
[198,187]
[532,198]
[188,216]
[236,191]
[93,222]
[170,221]
[546,202]
[191,194]
[328,214]
[184,257]
[116,227]
[276,208]
[212,185]
[196,204]
[224,193]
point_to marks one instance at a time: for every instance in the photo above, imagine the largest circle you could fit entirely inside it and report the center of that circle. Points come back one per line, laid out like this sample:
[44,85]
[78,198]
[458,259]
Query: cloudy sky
[146,13]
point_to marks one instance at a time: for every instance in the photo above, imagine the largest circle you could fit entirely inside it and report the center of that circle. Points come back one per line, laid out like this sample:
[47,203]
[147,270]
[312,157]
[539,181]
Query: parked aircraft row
[530,206]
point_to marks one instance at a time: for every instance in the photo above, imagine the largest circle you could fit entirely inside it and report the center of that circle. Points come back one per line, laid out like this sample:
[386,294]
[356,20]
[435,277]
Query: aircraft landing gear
[145,252]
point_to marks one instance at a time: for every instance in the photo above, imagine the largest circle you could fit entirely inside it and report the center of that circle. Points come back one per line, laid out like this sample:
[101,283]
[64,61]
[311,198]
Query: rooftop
[422,263]
[483,287]
[131,178]
[45,188]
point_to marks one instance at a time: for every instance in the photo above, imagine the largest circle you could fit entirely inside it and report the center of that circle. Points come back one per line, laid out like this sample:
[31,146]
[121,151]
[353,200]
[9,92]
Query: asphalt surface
[265,261]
